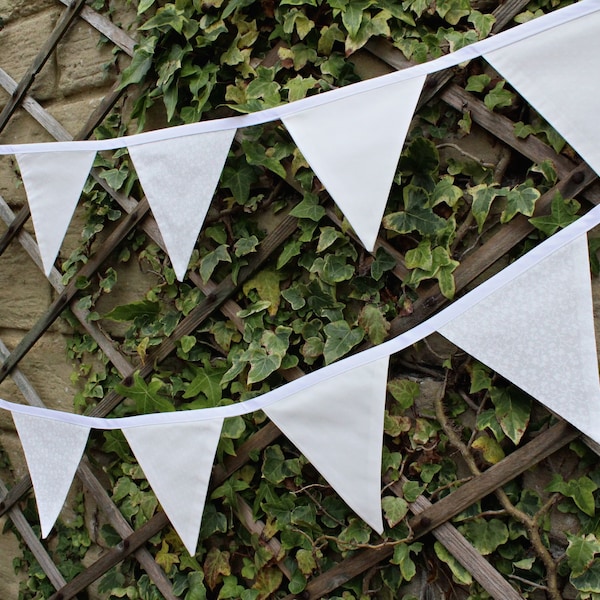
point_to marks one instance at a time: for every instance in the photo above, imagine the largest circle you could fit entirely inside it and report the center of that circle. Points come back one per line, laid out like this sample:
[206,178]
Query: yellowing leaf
[490,449]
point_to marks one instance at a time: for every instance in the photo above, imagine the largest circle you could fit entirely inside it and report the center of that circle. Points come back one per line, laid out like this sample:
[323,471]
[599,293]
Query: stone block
[11,10]
[47,368]
[20,42]
[83,61]
[26,293]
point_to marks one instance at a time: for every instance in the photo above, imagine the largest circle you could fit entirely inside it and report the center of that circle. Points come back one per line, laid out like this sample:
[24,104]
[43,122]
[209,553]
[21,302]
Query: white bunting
[537,331]
[353,146]
[338,425]
[177,461]
[53,450]
[558,72]
[179,177]
[53,182]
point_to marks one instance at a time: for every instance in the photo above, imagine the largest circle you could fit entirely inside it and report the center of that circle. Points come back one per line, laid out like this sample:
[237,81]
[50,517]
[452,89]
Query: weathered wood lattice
[429,518]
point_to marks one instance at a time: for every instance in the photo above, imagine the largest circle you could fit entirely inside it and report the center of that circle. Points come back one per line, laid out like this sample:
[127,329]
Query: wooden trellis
[574,180]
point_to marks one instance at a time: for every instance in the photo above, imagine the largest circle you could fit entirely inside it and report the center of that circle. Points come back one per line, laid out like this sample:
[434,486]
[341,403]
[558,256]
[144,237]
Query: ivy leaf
[482,23]
[477,83]
[453,10]
[402,558]
[490,449]
[231,589]
[114,441]
[417,216]
[333,269]
[146,395]
[209,262]
[486,536]
[140,63]
[394,509]
[239,180]
[581,491]
[404,392]
[589,581]
[483,195]
[562,213]
[306,561]
[459,572]
[298,87]
[128,312]
[383,262]
[498,97]
[420,257]
[374,323]
[339,340]
[207,381]
[520,199]
[513,411]
[266,283]
[258,155]
[581,552]
[267,582]
[446,191]
[245,245]
[421,156]
[215,566]
[309,208]
[165,558]
[480,377]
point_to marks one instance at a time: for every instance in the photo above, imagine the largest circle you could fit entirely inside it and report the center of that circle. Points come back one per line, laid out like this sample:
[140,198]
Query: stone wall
[73,82]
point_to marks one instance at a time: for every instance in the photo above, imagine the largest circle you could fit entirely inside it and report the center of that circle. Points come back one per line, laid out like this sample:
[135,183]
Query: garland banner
[539,307]
[351,137]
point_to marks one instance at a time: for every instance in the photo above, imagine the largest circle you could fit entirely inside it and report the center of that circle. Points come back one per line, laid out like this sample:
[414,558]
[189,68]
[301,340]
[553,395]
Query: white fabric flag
[53,182]
[53,450]
[177,461]
[179,177]
[338,425]
[353,146]
[538,332]
[558,72]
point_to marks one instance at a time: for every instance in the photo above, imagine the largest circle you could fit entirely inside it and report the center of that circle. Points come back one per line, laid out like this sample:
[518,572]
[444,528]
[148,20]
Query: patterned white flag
[353,146]
[179,177]
[53,450]
[338,425]
[177,460]
[53,182]
[538,332]
[558,72]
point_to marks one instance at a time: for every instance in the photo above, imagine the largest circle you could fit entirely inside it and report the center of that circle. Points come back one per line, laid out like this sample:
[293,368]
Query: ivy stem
[530,523]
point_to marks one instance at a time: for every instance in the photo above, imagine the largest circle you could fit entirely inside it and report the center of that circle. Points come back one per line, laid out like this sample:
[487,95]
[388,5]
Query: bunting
[538,332]
[53,182]
[53,450]
[177,461]
[353,146]
[338,426]
[560,77]
[179,177]
[523,322]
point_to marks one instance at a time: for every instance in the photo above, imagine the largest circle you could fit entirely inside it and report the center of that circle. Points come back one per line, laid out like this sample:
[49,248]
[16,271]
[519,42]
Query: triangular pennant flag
[338,425]
[53,182]
[180,485]
[557,72]
[353,146]
[53,450]
[538,332]
[179,177]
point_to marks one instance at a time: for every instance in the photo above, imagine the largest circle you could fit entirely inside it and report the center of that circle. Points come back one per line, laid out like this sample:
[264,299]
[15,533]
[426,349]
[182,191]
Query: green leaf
[209,262]
[486,536]
[309,208]
[402,558]
[581,552]
[477,83]
[404,392]
[562,213]
[394,509]
[128,312]
[267,581]
[207,381]
[513,411]
[239,180]
[333,269]
[420,257]
[498,97]
[339,340]
[258,155]
[245,245]
[589,581]
[483,195]
[266,284]
[446,191]
[146,395]
[520,199]
[328,236]
[299,86]
[417,216]
[140,63]
[453,10]
[581,491]
[383,262]
[291,249]
[480,377]
[374,323]
[483,23]
[216,565]
[461,575]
